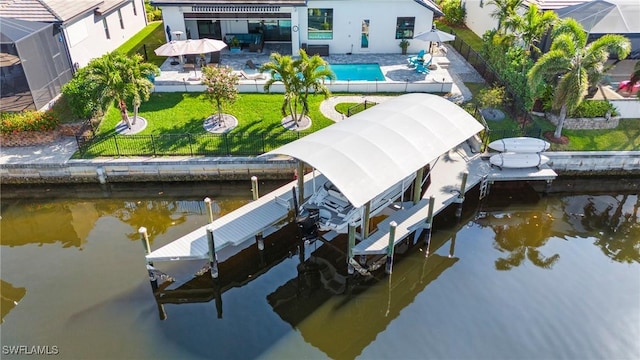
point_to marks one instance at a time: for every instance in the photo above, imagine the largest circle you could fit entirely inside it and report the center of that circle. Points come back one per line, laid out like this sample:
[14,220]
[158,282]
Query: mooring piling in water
[429,224]
[352,243]
[390,247]
[144,236]
[213,259]
[208,201]
[254,187]
[460,198]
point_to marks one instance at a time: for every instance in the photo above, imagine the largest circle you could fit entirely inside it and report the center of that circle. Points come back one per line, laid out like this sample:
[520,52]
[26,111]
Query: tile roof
[53,10]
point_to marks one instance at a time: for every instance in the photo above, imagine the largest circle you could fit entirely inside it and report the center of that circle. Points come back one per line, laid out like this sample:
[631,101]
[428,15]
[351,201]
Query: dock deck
[446,181]
[261,215]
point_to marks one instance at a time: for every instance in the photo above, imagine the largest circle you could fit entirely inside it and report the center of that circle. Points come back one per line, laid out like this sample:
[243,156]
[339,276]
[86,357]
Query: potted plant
[404,44]
[235,44]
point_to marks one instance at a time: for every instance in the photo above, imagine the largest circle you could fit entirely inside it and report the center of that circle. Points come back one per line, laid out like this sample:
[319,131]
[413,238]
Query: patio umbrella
[172,49]
[203,46]
[435,35]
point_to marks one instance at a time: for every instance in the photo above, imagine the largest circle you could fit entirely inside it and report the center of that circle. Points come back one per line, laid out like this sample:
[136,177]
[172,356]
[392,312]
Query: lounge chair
[256,76]
[422,69]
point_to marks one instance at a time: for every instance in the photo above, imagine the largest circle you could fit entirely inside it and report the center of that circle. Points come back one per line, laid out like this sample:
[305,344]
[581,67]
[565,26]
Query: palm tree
[119,78]
[504,10]
[534,25]
[139,74]
[300,77]
[571,65]
[105,73]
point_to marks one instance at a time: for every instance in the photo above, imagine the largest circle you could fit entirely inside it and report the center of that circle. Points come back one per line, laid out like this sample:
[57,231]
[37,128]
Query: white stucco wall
[86,37]
[347,24]
[382,16]
[479,19]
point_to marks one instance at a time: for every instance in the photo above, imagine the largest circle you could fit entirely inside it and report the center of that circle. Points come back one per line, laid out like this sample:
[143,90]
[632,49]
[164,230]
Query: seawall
[569,163]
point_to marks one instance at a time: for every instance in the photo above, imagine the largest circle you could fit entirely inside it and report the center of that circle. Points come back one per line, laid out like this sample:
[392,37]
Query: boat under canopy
[370,152]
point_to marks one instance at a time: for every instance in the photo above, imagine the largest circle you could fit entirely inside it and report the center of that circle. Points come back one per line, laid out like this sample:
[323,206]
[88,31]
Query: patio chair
[422,69]
[414,60]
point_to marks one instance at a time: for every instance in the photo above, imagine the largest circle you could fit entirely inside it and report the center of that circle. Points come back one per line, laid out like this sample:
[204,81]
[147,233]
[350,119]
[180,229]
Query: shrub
[153,13]
[29,120]
[491,98]
[454,13]
[594,108]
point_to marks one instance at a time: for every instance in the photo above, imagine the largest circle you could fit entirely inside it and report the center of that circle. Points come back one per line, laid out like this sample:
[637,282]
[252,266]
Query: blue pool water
[353,72]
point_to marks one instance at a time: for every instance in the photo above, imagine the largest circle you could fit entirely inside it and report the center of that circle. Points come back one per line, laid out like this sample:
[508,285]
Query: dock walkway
[446,181]
[266,214]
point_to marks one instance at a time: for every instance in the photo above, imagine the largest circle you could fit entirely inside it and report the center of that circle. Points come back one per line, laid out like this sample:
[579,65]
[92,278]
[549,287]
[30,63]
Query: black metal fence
[516,105]
[227,144]
[360,107]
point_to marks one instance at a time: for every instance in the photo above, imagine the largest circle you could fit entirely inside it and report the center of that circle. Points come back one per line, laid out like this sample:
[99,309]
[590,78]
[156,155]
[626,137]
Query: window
[120,18]
[404,27]
[320,23]
[135,10]
[106,28]
[364,41]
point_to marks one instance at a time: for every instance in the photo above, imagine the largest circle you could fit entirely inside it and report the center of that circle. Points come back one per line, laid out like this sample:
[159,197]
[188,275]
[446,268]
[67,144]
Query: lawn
[175,127]
[146,41]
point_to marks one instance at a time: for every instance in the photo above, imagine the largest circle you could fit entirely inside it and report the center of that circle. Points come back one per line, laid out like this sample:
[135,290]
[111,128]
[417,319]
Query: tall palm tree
[119,78]
[504,10]
[139,74]
[300,78]
[571,65]
[105,73]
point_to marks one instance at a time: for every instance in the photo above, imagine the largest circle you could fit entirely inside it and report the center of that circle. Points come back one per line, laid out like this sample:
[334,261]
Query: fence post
[115,141]
[190,143]
[153,145]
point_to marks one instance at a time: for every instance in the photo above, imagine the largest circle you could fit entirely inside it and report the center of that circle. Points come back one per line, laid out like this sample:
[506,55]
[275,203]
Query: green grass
[152,36]
[179,118]
[465,34]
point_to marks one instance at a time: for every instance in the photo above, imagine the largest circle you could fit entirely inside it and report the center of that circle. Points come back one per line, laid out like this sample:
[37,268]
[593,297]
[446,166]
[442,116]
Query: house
[599,17]
[86,28]
[322,26]
[479,18]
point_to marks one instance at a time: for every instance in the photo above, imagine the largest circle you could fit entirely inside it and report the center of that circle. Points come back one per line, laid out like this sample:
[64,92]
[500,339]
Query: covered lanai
[371,151]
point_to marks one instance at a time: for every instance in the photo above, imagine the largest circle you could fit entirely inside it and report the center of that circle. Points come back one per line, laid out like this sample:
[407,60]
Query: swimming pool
[354,72]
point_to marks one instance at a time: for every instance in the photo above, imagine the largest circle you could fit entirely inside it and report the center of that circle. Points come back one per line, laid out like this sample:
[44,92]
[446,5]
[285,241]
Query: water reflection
[10,297]
[342,316]
[520,235]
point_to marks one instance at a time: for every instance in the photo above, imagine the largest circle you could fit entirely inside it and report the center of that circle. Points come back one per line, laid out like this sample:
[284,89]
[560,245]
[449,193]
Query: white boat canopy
[371,151]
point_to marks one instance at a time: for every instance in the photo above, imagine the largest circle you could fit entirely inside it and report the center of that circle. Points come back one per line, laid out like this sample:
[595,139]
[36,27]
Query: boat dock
[262,216]
[459,165]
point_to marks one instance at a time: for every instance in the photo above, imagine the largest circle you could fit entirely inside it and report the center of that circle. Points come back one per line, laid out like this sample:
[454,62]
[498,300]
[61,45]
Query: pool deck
[448,66]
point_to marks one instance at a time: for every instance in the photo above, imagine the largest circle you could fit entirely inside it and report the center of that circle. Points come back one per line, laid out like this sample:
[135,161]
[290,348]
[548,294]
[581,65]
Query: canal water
[518,276]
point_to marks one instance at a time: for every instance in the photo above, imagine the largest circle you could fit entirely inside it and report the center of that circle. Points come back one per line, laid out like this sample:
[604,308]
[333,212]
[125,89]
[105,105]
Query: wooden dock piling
[208,201]
[391,246]
[428,224]
[460,199]
[213,259]
[352,243]
[147,249]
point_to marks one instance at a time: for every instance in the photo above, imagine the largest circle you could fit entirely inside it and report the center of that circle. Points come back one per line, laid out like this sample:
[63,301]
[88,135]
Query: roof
[229,2]
[371,151]
[552,4]
[13,30]
[54,10]
[431,6]
[605,17]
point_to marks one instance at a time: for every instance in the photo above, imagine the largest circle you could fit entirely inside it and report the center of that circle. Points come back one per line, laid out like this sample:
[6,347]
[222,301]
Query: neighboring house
[599,17]
[87,28]
[336,26]
[479,18]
